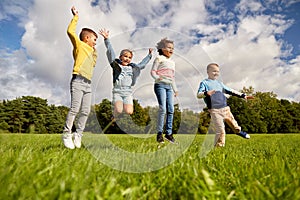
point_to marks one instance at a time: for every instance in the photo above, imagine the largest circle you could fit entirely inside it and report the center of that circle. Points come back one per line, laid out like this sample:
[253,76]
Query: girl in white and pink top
[163,72]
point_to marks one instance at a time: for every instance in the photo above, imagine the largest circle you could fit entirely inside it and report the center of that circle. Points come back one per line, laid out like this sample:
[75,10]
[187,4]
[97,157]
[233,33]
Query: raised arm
[71,31]
[146,60]
[236,93]
[74,11]
[110,53]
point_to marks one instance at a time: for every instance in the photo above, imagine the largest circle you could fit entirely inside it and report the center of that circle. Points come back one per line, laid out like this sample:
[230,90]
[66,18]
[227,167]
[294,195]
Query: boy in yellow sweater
[85,55]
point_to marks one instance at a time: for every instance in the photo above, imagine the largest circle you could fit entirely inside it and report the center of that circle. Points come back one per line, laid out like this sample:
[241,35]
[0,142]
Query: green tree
[36,111]
[268,109]
[204,120]
[140,115]
[295,112]
[14,115]
[4,126]
[92,124]
[31,115]
[176,119]
[153,113]
[104,115]
[135,123]
[289,117]
[189,122]
[55,119]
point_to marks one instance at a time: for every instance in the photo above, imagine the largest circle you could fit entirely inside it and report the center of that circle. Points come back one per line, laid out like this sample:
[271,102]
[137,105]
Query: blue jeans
[81,97]
[164,94]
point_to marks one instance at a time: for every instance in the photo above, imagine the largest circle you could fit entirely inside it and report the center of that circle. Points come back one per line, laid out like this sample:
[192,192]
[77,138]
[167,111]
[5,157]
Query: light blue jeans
[81,97]
[164,94]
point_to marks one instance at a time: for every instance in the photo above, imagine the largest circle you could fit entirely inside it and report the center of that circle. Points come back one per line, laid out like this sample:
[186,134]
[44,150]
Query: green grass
[39,167]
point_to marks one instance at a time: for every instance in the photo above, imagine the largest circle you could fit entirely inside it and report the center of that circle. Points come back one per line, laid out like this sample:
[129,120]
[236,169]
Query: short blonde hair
[211,64]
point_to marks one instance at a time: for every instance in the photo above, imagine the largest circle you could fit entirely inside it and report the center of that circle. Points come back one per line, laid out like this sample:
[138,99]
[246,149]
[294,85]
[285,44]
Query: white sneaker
[77,139]
[67,140]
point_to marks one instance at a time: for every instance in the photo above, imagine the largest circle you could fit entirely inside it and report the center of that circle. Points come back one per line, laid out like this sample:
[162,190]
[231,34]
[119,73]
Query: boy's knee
[74,111]
[85,112]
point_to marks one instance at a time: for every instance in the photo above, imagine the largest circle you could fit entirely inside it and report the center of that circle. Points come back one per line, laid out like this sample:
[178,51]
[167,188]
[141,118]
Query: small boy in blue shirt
[212,90]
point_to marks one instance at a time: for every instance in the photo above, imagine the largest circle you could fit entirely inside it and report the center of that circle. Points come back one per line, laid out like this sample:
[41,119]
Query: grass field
[39,167]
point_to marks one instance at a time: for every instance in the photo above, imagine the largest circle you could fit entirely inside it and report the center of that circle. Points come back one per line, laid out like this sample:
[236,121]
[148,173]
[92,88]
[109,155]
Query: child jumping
[163,72]
[212,90]
[125,74]
[85,55]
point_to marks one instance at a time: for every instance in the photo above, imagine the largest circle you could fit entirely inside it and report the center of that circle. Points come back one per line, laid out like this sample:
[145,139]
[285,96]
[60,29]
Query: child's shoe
[244,135]
[67,140]
[159,138]
[170,138]
[77,139]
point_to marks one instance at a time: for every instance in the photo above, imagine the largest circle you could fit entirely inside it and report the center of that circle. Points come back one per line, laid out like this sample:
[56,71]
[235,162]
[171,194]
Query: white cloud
[14,9]
[245,7]
[17,83]
[246,46]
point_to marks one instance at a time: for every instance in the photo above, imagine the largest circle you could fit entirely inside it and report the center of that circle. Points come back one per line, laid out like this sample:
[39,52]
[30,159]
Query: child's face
[126,58]
[91,40]
[168,50]
[213,72]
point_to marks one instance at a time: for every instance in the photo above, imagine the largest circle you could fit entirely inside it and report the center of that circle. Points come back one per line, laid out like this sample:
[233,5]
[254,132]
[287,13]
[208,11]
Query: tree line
[264,114]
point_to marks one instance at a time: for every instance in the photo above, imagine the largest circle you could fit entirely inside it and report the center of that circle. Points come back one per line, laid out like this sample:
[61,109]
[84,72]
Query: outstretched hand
[104,33]
[74,10]
[211,92]
[150,50]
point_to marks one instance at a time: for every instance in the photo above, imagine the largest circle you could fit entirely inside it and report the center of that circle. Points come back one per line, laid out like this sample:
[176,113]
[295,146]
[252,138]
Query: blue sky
[256,44]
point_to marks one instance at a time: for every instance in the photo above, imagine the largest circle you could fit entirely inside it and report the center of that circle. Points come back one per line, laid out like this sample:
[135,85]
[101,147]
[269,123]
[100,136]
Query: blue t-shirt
[218,99]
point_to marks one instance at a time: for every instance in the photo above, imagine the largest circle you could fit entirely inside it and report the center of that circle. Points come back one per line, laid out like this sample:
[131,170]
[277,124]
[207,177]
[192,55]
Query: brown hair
[86,31]
[162,44]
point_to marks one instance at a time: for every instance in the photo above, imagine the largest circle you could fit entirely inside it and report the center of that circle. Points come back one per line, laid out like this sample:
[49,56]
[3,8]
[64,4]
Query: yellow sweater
[84,55]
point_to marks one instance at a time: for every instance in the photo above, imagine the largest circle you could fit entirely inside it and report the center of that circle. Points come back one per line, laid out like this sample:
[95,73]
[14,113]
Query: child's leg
[160,93]
[76,98]
[232,123]
[77,91]
[118,104]
[128,108]
[170,110]
[217,126]
[84,111]
[128,104]
[118,108]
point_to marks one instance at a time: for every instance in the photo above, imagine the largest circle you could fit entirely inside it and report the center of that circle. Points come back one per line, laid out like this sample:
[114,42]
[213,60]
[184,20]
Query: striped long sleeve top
[163,71]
